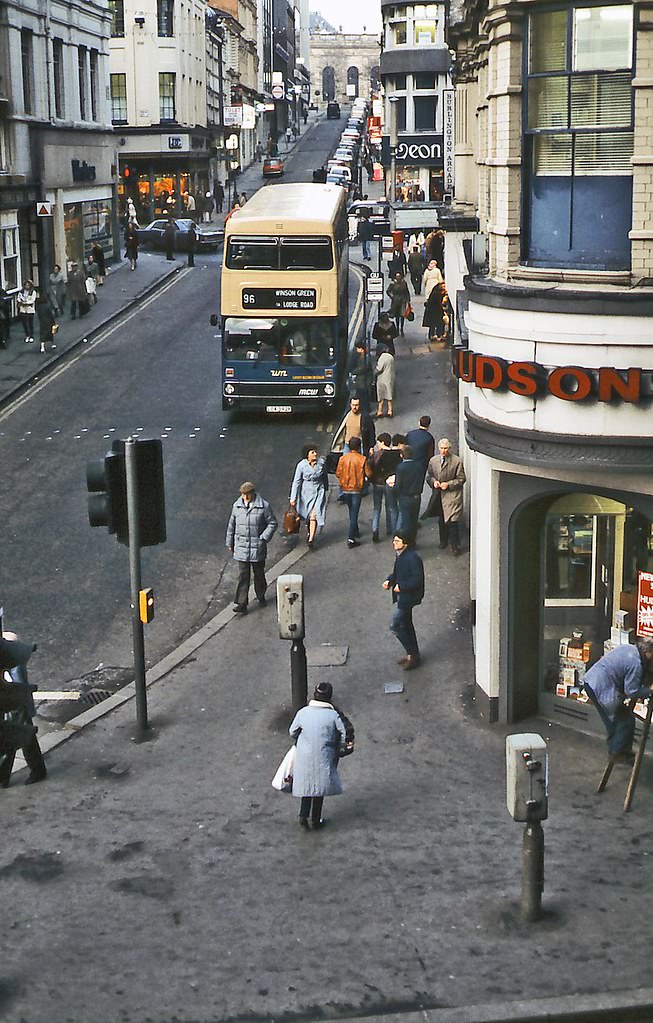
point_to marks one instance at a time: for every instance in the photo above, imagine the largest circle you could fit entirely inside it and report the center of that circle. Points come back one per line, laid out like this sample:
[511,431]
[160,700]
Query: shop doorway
[575,559]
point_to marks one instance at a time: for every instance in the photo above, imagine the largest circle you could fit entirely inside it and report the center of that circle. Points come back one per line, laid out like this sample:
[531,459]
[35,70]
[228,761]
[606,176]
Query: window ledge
[621,278]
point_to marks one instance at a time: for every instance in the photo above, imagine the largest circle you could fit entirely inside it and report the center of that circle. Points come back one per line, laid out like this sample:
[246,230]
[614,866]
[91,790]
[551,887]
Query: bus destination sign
[279,298]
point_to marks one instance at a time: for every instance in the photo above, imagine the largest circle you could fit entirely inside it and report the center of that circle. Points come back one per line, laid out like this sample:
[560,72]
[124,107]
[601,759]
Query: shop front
[560,457]
[419,167]
[158,173]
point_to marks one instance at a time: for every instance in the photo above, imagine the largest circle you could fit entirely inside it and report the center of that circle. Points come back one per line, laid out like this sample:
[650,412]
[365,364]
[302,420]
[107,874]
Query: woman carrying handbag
[308,493]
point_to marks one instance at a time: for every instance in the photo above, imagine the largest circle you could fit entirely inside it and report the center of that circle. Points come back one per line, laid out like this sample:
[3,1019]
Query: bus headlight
[329,389]
[229,389]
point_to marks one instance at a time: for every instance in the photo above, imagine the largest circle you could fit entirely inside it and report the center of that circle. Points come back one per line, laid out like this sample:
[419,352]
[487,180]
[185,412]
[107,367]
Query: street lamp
[393,100]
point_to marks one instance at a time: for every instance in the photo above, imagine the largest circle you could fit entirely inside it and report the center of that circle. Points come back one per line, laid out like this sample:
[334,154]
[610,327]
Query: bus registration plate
[279,298]
[278,408]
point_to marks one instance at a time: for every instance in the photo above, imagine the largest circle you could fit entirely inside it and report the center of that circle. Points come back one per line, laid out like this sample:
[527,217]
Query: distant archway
[375,78]
[329,83]
[352,78]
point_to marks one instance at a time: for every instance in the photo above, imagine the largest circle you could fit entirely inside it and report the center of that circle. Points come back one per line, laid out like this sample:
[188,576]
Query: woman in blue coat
[320,739]
[308,493]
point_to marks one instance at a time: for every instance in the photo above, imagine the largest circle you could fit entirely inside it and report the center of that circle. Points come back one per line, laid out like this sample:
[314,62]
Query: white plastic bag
[282,780]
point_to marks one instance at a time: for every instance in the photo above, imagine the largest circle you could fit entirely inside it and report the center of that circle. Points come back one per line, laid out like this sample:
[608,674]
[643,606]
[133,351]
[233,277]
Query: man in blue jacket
[406,581]
[251,526]
[623,673]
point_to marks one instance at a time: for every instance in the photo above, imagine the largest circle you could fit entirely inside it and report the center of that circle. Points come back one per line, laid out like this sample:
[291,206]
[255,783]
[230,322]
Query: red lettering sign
[645,604]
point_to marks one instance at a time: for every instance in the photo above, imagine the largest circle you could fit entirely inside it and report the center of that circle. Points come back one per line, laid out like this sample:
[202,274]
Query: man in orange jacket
[351,472]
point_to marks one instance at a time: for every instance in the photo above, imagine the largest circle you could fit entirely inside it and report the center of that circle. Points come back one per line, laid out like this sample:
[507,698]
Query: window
[58,74]
[261,253]
[424,81]
[81,76]
[292,341]
[399,33]
[425,107]
[399,83]
[117,11]
[579,137]
[119,99]
[167,96]
[165,17]
[400,107]
[425,32]
[27,66]
[9,254]
[94,84]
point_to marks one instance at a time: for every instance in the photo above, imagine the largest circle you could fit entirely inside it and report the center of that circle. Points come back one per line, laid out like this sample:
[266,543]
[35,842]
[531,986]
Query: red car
[272,167]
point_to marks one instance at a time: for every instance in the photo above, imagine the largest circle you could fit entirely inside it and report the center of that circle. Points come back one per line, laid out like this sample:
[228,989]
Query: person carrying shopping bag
[308,492]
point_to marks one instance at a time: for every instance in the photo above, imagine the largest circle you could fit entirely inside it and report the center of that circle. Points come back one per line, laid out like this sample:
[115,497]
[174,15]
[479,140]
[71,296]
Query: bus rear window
[289,253]
[306,254]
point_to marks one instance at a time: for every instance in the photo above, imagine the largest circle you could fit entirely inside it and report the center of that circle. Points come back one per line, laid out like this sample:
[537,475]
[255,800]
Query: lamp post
[393,100]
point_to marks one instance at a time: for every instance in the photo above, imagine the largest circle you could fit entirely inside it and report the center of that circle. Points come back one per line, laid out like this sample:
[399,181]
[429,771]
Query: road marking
[118,325]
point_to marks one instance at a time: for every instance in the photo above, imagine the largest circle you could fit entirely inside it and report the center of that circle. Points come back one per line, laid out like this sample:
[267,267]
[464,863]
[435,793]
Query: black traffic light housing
[107,486]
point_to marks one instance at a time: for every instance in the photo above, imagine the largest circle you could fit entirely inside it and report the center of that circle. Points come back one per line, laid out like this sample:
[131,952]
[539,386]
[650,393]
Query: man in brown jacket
[446,476]
[351,472]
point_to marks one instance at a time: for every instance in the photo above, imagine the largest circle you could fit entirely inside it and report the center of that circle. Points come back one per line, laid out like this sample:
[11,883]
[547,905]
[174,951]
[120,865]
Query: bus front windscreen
[292,252]
[285,341]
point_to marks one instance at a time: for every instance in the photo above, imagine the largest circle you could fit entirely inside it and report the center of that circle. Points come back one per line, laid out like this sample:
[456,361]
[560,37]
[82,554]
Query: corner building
[555,348]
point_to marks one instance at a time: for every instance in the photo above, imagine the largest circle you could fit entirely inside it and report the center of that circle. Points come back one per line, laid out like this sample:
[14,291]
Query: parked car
[152,236]
[333,111]
[273,167]
[337,177]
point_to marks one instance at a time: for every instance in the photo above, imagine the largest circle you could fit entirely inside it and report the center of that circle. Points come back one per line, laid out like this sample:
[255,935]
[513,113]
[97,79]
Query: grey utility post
[290,614]
[527,778]
[131,474]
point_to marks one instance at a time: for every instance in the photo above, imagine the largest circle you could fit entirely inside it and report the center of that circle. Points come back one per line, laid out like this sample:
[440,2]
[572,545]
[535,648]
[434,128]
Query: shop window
[579,139]
[27,68]
[594,548]
[9,275]
[58,75]
[118,99]
[84,223]
[165,17]
[81,78]
[117,11]
[425,109]
[167,96]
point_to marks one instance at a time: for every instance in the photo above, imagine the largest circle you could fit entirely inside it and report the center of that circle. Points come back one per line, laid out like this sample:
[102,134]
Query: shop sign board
[423,150]
[387,245]
[233,115]
[449,138]
[645,604]
[569,383]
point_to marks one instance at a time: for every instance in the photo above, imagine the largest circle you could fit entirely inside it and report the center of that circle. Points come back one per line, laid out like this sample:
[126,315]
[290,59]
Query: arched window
[375,78]
[329,83]
[352,79]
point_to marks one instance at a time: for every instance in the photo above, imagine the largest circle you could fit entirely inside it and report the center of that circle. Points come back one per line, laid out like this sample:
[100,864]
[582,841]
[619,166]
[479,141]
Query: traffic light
[107,489]
[127,173]
[146,605]
[106,482]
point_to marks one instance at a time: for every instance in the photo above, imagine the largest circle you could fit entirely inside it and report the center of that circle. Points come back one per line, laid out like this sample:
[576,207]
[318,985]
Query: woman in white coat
[432,276]
[320,739]
[384,372]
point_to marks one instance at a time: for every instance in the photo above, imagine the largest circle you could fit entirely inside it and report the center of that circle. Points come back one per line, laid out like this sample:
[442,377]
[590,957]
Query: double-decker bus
[284,300]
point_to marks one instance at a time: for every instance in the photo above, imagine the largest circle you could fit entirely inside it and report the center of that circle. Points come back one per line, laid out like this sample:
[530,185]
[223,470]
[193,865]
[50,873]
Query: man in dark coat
[409,481]
[365,233]
[169,239]
[416,268]
[218,195]
[192,244]
[251,526]
[422,442]
[16,699]
[406,581]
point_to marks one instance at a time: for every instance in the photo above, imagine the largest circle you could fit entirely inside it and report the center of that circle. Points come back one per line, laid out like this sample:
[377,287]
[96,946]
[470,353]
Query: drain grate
[94,696]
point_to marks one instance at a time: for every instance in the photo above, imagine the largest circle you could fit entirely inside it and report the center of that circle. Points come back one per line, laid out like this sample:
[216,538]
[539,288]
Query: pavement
[160,878]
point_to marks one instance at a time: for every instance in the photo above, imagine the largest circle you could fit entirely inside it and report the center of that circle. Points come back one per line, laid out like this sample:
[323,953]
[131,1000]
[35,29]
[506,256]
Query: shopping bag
[410,313]
[291,521]
[282,780]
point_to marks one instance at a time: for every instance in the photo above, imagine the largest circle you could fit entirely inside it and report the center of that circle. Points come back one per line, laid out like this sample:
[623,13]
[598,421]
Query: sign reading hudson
[569,383]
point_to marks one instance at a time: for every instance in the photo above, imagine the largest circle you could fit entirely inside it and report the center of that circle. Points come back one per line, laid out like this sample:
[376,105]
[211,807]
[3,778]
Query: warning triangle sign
[44,209]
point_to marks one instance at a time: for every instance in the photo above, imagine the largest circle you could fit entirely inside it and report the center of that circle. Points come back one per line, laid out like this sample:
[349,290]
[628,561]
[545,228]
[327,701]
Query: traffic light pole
[131,473]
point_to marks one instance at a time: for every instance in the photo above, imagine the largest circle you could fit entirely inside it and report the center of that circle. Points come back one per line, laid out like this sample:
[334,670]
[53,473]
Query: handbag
[282,780]
[291,521]
[410,313]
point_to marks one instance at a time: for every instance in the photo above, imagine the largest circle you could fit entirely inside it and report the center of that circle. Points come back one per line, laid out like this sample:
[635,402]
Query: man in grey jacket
[251,525]
[621,674]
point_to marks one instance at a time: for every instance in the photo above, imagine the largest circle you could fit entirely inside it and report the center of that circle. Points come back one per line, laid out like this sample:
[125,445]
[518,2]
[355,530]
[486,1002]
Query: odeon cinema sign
[569,383]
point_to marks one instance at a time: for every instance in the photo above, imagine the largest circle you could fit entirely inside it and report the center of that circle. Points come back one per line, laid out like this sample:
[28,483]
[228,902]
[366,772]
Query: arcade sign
[569,383]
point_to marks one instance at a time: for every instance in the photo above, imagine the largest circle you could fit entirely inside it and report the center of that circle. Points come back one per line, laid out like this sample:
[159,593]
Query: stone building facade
[554,351]
[339,59]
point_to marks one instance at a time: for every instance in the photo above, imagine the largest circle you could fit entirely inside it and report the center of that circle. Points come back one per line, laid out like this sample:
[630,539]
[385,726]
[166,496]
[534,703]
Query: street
[155,374]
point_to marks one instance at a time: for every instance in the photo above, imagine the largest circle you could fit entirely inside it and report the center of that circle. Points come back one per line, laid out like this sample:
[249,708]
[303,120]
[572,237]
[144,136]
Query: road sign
[43,208]
[277,91]
[387,245]
[374,288]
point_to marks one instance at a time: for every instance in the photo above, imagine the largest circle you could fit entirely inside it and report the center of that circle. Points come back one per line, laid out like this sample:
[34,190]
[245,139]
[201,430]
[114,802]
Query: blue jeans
[366,249]
[404,630]
[378,493]
[620,729]
[353,502]
[409,514]
[391,509]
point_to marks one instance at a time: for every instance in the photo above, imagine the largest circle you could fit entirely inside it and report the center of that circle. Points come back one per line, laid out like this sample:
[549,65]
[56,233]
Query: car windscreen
[285,341]
[297,252]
